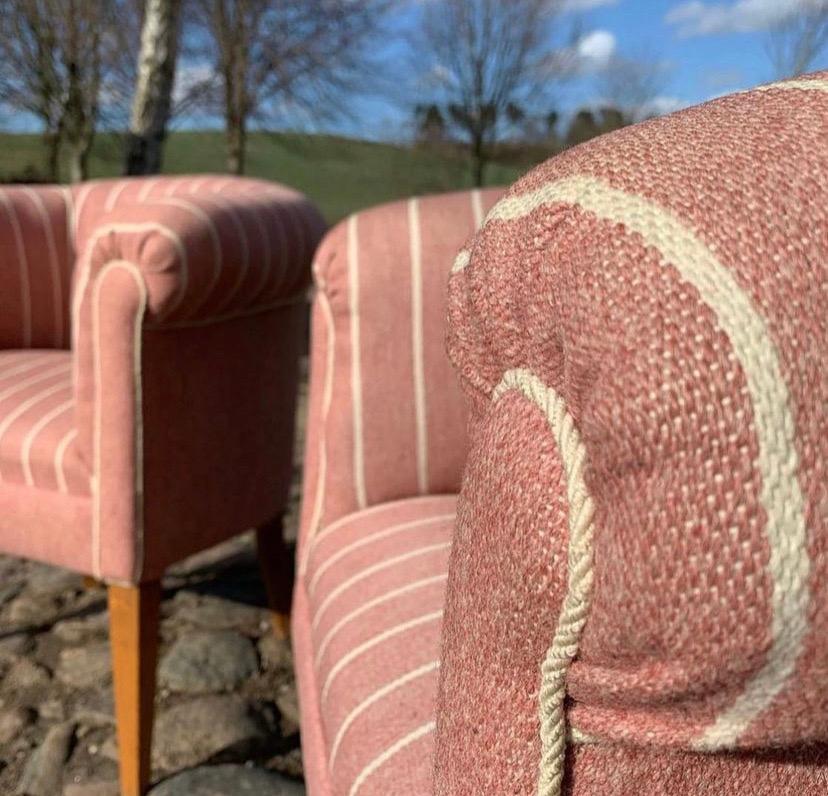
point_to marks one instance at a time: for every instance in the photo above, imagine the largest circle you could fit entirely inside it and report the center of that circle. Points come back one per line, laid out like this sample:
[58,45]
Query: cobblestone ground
[226,712]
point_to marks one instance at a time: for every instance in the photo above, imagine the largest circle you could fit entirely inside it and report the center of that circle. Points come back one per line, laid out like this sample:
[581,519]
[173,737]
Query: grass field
[339,174]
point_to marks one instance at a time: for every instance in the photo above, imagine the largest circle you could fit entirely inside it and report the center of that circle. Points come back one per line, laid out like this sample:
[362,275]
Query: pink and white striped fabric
[38,436]
[367,625]
[386,431]
[640,563]
[37,256]
[386,418]
[175,283]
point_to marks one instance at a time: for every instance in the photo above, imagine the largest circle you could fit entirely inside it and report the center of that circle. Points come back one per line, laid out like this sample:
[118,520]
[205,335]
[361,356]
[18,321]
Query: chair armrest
[188,321]
[204,256]
[386,418]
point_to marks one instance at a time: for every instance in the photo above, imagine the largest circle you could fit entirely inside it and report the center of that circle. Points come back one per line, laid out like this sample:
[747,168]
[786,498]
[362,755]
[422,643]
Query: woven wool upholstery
[386,418]
[641,328]
[169,429]
[367,624]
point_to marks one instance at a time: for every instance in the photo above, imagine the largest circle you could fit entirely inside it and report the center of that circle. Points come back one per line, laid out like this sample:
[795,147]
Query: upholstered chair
[635,598]
[385,446]
[149,337]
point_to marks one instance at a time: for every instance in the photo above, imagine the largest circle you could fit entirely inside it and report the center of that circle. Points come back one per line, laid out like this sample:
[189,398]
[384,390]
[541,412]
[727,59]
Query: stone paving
[226,711]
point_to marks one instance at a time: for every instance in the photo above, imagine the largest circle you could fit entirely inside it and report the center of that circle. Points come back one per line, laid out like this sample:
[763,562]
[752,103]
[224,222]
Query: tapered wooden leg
[277,573]
[133,632]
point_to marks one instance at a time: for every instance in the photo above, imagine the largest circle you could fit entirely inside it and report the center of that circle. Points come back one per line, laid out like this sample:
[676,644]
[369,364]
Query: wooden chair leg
[133,631]
[276,565]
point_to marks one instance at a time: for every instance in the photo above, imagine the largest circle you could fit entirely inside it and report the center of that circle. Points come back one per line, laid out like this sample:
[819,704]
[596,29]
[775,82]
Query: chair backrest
[639,565]
[386,417]
[36,262]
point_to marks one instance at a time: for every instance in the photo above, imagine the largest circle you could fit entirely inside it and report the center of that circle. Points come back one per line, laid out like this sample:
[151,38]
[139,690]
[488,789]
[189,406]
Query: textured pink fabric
[667,282]
[386,418]
[38,438]
[37,254]
[366,623]
[181,421]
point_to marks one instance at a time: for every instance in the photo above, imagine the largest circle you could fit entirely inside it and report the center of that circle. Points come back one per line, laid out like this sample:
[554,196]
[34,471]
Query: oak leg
[276,565]
[133,632]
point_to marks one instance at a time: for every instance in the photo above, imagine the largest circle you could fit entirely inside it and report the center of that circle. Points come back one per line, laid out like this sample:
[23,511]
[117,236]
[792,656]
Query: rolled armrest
[188,323]
[202,255]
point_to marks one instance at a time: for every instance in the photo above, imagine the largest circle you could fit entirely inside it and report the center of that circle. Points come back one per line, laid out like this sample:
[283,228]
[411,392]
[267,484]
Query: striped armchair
[636,597]
[385,447]
[141,418]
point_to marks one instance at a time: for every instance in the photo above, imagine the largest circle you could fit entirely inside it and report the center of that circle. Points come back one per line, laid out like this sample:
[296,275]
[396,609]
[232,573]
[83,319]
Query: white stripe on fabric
[421,440]
[372,642]
[375,697]
[383,758]
[356,372]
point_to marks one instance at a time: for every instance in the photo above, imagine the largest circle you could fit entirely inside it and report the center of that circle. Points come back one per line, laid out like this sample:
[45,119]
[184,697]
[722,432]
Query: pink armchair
[141,417]
[635,600]
[385,446]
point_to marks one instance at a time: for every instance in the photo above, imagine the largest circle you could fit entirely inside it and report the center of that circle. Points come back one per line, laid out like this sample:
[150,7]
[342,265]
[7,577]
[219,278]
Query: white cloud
[590,55]
[585,5]
[697,18]
[595,50]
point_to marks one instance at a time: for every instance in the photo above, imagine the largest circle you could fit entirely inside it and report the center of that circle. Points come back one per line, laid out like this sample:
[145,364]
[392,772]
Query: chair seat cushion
[38,442]
[367,620]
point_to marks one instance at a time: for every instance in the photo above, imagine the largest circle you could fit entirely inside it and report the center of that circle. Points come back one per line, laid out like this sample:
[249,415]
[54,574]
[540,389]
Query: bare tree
[631,86]
[285,59]
[152,100]
[484,57]
[62,62]
[799,38]
[30,78]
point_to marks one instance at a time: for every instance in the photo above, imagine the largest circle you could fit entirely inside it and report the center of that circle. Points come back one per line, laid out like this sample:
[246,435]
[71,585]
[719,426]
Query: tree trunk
[78,158]
[478,161]
[154,86]
[51,140]
[236,145]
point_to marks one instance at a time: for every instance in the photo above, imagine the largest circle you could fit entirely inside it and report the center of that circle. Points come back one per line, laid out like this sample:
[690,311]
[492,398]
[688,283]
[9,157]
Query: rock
[215,613]
[92,789]
[206,729]
[52,581]
[12,722]
[10,591]
[200,663]
[85,667]
[32,610]
[96,710]
[275,652]
[73,631]
[25,674]
[228,781]
[288,703]
[52,710]
[16,645]
[43,773]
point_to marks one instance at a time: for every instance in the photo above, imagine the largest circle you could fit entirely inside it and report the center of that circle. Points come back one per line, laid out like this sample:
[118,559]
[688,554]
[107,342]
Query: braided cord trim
[576,602]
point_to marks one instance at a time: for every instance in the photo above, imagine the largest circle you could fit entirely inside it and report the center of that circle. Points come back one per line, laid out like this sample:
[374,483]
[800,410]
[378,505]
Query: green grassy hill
[339,174]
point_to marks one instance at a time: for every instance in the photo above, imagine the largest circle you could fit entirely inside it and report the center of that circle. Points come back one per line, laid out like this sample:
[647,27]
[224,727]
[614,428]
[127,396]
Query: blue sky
[706,48]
